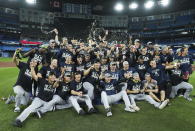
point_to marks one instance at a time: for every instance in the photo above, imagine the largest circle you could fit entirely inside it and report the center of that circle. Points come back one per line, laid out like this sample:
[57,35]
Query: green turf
[5,59]
[179,116]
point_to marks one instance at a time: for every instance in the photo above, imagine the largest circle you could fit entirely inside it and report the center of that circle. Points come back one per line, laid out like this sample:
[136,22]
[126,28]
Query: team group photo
[79,73]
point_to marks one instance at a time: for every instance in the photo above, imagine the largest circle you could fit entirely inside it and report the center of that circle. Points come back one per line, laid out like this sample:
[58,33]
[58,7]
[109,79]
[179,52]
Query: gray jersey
[151,85]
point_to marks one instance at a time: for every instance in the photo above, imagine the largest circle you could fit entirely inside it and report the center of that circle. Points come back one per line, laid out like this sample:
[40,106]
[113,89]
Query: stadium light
[133,6]
[31,2]
[149,4]
[119,7]
[164,2]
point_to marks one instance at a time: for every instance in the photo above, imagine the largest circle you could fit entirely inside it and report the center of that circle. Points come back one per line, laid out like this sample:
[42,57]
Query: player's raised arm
[86,72]
[15,59]
[29,53]
[33,73]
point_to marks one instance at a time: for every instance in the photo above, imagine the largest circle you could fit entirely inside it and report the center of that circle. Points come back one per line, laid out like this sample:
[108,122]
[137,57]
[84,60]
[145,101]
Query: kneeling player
[23,86]
[46,89]
[135,89]
[61,98]
[78,95]
[109,95]
[179,83]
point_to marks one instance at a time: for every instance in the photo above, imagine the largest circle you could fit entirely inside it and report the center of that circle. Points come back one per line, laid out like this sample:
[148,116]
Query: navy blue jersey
[45,70]
[116,76]
[93,77]
[131,70]
[131,58]
[166,58]
[176,76]
[134,85]
[186,62]
[37,56]
[157,73]
[109,88]
[141,69]
[63,90]
[146,58]
[80,67]
[88,64]
[45,90]
[77,86]
[62,54]
[24,77]
[68,67]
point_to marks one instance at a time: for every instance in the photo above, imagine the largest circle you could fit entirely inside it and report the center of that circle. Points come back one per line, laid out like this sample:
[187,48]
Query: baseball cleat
[10,99]
[109,113]
[82,112]
[129,109]
[92,110]
[163,104]
[188,98]
[17,123]
[17,109]
[136,108]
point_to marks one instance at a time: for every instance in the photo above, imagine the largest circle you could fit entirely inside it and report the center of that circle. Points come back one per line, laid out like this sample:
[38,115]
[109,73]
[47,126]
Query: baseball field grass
[179,116]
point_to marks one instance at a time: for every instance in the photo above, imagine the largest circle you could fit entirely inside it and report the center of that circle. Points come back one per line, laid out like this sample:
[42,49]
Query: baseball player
[151,87]
[61,98]
[179,83]
[92,78]
[136,89]
[78,94]
[46,89]
[23,86]
[109,95]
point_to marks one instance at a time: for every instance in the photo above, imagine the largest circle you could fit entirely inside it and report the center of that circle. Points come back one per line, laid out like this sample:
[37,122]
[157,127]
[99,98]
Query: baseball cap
[108,75]
[52,73]
[137,40]
[178,50]
[67,74]
[52,41]
[147,74]
[125,63]
[113,63]
[140,58]
[135,74]
[149,43]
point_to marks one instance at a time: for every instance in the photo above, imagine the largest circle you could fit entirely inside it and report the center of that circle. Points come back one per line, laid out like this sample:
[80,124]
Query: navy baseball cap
[147,74]
[108,75]
[52,73]
[67,74]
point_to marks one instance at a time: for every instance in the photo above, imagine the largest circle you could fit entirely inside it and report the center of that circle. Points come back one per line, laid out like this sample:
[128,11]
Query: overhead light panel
[149,4]
[119,7]
[133,6]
